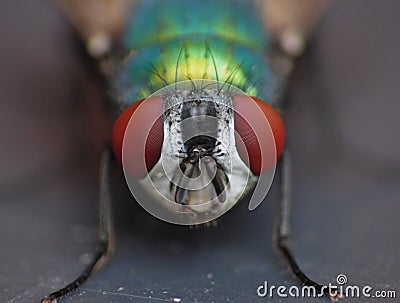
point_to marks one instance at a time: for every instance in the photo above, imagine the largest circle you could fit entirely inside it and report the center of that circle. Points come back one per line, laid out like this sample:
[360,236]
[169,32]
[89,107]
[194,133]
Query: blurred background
[343,132]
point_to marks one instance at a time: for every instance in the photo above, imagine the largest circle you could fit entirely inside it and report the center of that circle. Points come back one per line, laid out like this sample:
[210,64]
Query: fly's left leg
[281,236]
[105,240]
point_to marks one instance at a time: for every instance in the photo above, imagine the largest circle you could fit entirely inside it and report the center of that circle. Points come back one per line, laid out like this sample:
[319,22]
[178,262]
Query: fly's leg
[281,236]
[104,245]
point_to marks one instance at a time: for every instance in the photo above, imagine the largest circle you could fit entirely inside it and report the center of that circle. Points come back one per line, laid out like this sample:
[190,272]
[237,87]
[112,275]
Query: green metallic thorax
[175,40]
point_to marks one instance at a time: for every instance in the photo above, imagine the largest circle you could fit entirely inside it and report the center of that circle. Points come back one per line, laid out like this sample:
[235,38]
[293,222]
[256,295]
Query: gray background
[343,131]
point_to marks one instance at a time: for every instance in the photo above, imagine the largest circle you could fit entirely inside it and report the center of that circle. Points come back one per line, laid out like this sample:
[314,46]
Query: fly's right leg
[105,239]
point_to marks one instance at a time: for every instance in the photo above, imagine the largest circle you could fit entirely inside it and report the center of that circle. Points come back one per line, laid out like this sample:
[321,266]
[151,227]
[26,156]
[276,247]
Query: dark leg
[105,234]
[282,231]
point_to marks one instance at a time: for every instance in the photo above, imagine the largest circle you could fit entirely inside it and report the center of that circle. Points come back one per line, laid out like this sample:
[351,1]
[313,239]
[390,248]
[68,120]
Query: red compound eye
[140,129]
[255,112]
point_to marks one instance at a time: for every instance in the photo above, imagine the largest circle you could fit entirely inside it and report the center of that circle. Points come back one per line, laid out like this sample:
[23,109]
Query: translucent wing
[99,22]
[300,15]
[291,20]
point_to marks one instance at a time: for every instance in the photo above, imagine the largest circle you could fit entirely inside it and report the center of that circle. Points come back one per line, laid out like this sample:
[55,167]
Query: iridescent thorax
[214,40]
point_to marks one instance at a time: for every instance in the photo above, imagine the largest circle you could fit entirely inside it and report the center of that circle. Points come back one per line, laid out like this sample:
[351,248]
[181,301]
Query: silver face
[200,174]
[200,170]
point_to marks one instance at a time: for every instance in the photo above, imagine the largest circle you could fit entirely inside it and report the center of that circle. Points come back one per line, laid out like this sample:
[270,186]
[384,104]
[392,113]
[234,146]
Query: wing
[292,20]
[99,22]
[298,15]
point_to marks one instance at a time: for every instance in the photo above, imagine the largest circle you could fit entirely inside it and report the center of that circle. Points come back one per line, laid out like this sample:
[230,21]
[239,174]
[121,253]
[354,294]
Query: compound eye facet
[251,115]
[143,138]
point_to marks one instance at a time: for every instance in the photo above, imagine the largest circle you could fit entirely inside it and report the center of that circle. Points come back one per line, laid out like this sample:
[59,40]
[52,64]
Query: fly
[198,123]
